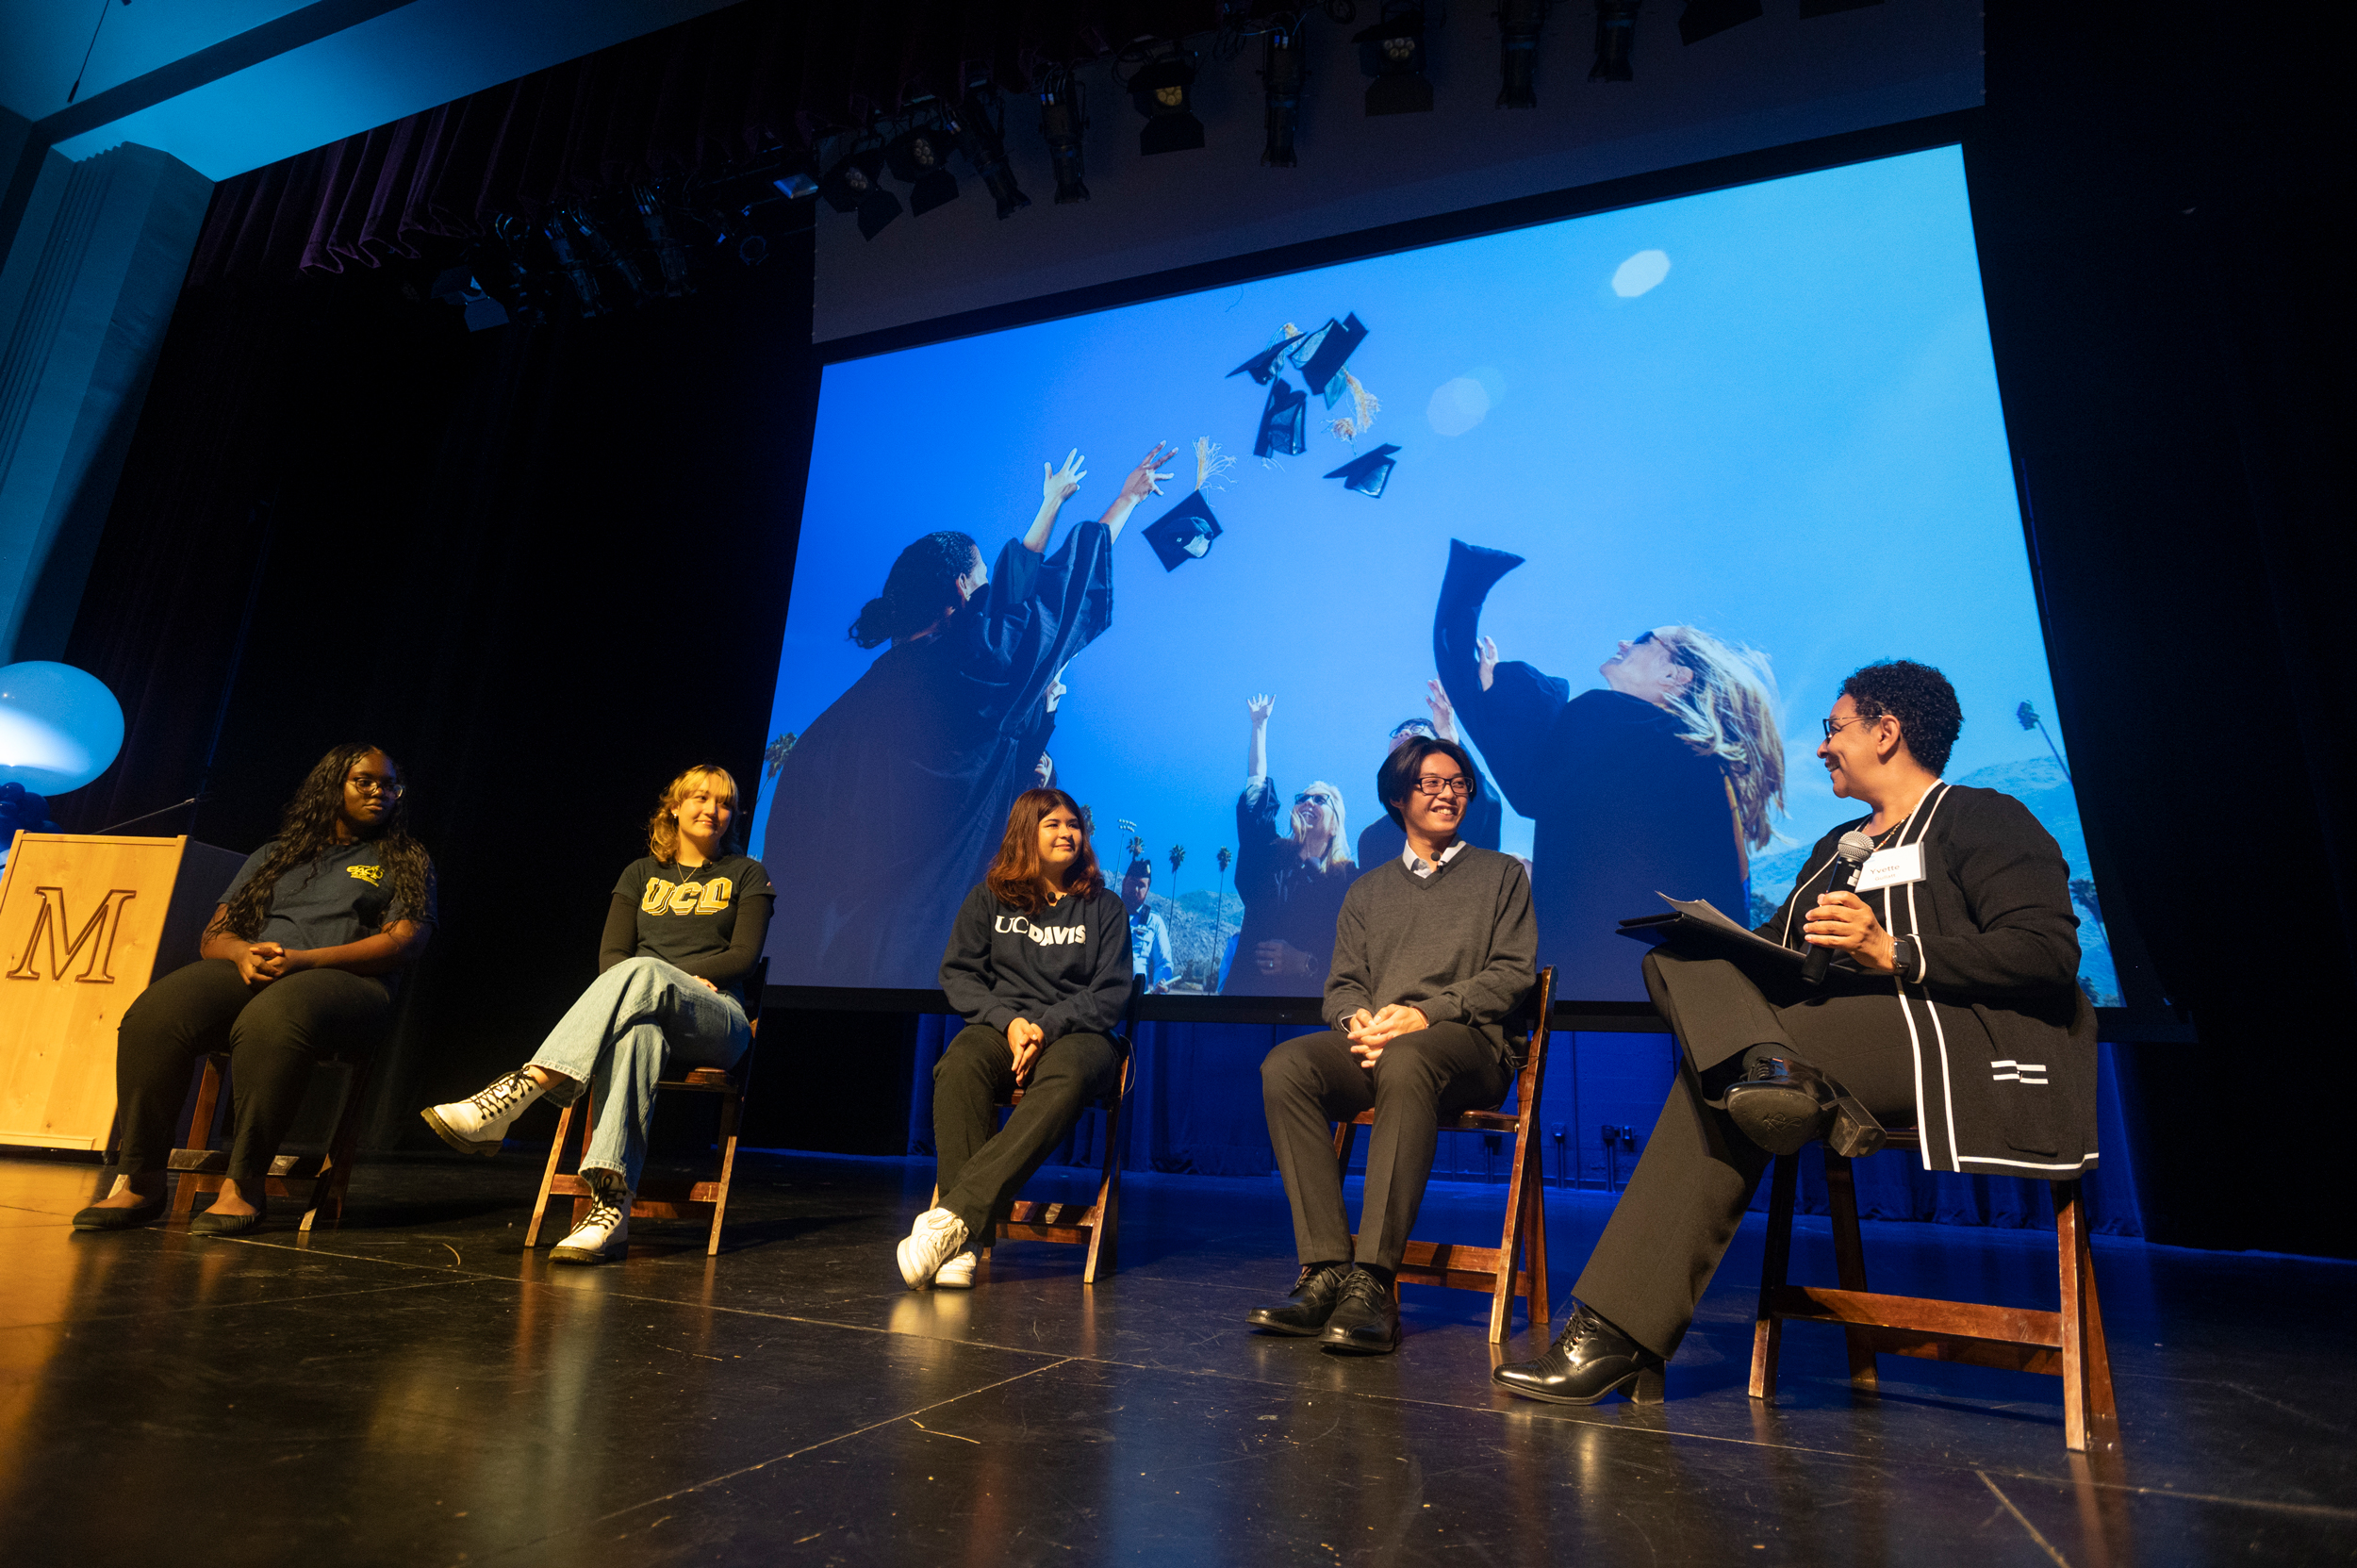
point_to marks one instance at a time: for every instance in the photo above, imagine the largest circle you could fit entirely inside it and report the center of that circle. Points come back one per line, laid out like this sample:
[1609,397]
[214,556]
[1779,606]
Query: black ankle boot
[1589,1360]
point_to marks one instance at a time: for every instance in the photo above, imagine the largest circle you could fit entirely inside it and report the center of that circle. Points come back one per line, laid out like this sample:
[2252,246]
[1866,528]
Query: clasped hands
[1845,923]
[1026,1038]
[1370,1032]
[259,962]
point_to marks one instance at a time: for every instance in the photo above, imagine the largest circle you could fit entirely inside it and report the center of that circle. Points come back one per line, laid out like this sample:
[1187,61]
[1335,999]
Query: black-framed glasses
[1433,787]
[1314,797]
[369,784]
[1835,726]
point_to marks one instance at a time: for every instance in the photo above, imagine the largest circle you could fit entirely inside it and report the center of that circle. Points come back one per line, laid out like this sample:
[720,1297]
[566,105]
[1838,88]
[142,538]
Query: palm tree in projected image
[1219,901]
[1178,858]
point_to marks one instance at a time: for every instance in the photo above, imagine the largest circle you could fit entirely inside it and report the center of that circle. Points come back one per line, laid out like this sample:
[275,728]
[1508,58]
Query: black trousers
[1689,1190]
[1311,1081]
[982,1165]
[275,1036]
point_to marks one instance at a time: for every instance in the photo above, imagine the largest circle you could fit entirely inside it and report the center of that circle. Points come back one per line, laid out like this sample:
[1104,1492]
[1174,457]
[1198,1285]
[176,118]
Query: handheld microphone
[1849,862]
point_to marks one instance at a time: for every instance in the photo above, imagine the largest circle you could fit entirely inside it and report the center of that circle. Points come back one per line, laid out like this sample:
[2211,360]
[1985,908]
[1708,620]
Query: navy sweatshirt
[1065,968]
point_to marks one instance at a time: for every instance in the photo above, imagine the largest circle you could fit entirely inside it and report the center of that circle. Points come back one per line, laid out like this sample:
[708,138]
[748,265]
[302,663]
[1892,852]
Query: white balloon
[60,726]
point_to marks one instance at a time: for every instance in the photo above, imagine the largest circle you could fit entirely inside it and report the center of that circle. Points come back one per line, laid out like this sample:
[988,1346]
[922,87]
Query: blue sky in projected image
[1794,440]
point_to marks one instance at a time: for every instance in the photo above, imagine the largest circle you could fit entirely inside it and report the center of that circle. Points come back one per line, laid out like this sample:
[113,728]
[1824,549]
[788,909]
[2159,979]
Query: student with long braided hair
[301,958]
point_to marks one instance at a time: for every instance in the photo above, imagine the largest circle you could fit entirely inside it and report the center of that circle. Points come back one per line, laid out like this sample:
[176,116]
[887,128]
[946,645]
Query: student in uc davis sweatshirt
[1432,950]
[1038,964]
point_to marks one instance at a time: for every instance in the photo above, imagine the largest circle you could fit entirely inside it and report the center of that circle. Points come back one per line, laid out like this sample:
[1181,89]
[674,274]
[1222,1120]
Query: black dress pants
[1696,1178]
[982,1165]
[273,1034]
[1311,1081]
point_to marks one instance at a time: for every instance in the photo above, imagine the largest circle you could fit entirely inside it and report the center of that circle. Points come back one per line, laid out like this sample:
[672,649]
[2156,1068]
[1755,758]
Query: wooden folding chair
[658,1197]
[325,1175]
[2068,1344]
[1097,1227]
[1517,1264]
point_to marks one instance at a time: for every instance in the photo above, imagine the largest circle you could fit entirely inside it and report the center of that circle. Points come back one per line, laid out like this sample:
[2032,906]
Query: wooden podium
[86,921]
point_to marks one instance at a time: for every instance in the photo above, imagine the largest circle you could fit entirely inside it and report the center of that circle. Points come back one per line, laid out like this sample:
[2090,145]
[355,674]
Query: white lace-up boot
[605,1234]
[937,1237]
[957,1273]
[476,1126]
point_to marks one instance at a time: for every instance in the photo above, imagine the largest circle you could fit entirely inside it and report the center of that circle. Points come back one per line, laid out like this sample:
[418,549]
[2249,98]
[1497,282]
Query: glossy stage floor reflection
[415,1389]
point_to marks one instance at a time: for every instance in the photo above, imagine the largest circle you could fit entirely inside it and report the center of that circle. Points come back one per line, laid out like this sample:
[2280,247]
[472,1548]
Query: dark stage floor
[414,1389]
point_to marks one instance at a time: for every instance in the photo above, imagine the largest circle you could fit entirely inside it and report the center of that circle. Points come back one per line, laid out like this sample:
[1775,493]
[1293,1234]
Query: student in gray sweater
[1431,952]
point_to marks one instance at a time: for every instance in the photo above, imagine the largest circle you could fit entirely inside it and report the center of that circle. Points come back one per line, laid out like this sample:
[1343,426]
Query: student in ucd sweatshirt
[1039,966]
[1431,952]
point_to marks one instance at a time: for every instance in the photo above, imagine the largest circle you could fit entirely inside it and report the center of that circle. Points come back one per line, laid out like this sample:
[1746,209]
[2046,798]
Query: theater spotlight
[1703,18]
[1392,52]
[586,293]
[458,286]
[982,138]
[1284,67]
[670,253]
[1063,116]
[920,157]
[1519,22]
[1616,37]
[1163,91]
[855,184]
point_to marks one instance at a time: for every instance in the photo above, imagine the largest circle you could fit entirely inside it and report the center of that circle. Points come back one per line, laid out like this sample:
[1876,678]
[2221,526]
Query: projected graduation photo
[1616,501]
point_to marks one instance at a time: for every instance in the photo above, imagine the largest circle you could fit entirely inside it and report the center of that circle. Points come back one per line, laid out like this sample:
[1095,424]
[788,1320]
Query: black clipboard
[1695,925]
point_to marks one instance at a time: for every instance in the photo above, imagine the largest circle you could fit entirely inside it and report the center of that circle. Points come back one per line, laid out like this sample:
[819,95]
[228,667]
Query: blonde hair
[1337,848]
[663,827]
[1729,709]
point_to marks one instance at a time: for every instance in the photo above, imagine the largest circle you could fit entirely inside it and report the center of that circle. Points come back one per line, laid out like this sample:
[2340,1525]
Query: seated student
[1038,964]
[1149,937]
[1950,985]
[1431,952]
[300,959]
[683,932]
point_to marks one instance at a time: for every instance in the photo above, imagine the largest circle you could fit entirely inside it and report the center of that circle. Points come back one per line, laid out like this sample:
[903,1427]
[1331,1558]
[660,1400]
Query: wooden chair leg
[548,1176]
[201,1129]
[1775,1263]
[1513,1240]
[1849,1262]
[2102,1414]
[1535,1198]
[1105,1233]
[2089,1418]
[343,1148]
[728,1170]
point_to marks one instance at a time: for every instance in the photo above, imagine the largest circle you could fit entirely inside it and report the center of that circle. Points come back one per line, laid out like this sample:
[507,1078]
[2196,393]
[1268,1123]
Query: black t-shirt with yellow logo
[708,919]
[343,896]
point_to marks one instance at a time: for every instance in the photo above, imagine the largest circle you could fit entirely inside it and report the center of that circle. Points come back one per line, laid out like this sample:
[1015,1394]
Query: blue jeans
[636,1018]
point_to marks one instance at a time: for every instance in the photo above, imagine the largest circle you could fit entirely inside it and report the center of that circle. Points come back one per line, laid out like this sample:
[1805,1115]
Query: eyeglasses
[1834,726]
[1314,797]
[368,784]
[1433,787]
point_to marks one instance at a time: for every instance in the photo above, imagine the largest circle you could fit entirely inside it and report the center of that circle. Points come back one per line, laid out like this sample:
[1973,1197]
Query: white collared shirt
[1418,866]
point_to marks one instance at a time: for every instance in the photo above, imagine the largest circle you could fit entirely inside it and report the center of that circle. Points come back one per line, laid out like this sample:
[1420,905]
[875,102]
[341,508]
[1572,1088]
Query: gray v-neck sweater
[1459,946]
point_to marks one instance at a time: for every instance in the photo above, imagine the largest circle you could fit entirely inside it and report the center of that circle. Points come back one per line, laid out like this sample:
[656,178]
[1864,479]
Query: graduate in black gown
[1660,782]
[912,770]
[1291,882]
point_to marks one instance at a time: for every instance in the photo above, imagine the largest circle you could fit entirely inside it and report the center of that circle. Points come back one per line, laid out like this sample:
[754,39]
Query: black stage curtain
[547,566]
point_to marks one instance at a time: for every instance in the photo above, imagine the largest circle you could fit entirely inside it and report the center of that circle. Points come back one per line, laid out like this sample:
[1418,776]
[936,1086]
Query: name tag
[1891,868]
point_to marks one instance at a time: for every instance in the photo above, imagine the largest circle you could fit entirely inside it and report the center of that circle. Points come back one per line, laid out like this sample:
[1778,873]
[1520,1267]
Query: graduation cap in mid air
[1264,365]
[1184,533]
[1284,421]
[1368,472]
[1337,342]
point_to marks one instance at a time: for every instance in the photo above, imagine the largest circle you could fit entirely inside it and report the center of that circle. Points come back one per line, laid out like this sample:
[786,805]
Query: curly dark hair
[1397,776]
[923,578]
[1919,696]
[307,831]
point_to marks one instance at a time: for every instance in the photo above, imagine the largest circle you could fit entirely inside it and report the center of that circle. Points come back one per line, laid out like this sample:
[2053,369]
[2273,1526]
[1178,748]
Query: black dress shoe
[1365,1321]
[96,1218]
[1782,1103]
[1305,1312]
[1590,1360]
[211,1224]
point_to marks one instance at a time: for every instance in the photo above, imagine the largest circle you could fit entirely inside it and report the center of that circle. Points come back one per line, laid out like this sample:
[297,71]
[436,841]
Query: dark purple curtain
[692,97]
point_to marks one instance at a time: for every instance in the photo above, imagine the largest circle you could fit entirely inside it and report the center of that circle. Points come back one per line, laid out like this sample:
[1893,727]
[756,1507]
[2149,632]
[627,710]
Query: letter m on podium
[97,934]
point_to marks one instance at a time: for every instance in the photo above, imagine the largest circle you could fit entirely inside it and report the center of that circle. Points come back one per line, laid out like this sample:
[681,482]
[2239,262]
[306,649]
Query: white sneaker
[957,1273]
[605,1234]
[476,1126]
[937,1237]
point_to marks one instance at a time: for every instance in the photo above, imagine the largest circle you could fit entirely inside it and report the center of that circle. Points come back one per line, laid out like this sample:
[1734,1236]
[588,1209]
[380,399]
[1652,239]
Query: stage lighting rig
[855,184]
[1284,69]
[1392,52]
[1161,87]
[1519,25]
[458,286]
[669,253]
[1062,117]
[1702,19]
[920,157]
[1616,39]
[982,138]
